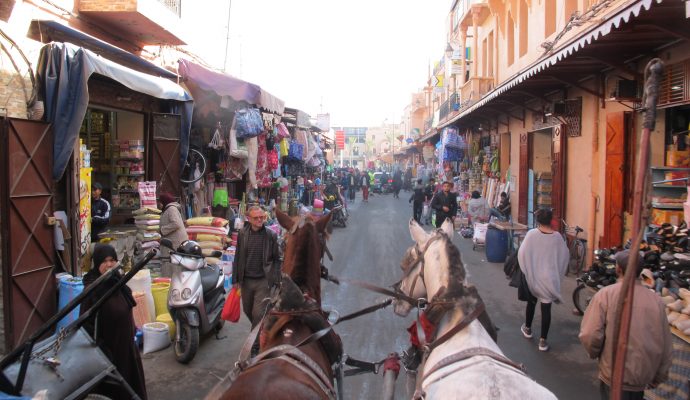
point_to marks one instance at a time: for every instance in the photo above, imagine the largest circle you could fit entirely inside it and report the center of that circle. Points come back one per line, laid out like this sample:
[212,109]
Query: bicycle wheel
[582,296]
[194,160]
[577,256]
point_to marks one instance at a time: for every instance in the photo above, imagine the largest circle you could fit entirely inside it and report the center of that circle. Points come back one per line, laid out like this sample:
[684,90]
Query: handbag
[231,308]
[523,289]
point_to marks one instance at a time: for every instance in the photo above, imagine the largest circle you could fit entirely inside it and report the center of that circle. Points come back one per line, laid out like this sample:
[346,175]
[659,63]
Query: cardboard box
[675,158]
[659,216]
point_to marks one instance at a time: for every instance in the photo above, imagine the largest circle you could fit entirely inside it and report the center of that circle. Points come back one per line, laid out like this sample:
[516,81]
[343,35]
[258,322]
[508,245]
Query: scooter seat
[209,277]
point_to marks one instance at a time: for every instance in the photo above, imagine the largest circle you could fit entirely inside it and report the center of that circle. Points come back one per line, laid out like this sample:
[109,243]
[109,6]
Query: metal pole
[622,321]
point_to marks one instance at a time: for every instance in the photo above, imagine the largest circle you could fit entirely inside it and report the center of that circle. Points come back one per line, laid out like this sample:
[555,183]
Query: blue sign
[409,140]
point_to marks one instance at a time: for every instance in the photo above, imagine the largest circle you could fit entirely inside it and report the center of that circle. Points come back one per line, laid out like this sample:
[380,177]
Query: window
[549,17]
[490,66]
[524,28]
[510,38]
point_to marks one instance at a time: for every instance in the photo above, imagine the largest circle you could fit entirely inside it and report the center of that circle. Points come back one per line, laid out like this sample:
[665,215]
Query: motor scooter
[196,297]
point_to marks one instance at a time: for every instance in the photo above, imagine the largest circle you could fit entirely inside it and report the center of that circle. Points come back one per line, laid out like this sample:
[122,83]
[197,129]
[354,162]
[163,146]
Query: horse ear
[322,223]
[447,228]
[284,220]
[417,232]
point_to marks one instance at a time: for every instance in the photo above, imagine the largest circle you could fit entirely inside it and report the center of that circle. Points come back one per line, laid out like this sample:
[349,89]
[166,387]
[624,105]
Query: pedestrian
[112,327]
[172,228]
[352,185]
[502,212]
[365,183]
[345,184]
[100,212]
[445,203]
[417,200]
[543,258]
[648,356]
[429,191]
[397,183]
[257,265]
[477,208]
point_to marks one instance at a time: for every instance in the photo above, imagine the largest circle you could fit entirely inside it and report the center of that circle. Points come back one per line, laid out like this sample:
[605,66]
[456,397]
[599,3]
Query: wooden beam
[577,85]
[518,105]
[618,66]
[670,29]
[532,95]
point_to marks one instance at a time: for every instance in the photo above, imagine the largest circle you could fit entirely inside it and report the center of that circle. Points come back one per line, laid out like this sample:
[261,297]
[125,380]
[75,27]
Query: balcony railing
[444,110]
[473,90]
[173,5]
[427,124]
[454,102]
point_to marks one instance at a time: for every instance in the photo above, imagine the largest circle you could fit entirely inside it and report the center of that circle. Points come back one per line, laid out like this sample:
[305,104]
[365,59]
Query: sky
[359,60]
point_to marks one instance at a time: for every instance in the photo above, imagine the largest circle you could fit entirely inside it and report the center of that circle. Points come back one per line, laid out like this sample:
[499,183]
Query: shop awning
[655,27]
[63,73]
[47,31]
[226,85]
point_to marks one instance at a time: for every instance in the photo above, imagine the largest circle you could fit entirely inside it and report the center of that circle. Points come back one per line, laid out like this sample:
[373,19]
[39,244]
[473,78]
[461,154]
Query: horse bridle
[419,259]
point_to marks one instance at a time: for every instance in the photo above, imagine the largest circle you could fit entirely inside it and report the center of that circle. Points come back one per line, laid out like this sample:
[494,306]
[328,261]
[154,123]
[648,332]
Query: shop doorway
[619,153]
[541,185]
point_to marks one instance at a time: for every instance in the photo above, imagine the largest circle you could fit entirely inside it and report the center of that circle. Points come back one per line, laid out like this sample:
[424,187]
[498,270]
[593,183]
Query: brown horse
[287,372]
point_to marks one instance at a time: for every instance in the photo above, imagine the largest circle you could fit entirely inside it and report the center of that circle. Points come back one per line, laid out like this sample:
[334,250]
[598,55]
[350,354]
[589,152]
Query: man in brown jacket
[649,348]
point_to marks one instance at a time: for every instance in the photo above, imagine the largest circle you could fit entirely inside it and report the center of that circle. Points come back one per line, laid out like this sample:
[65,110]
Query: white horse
[468,364]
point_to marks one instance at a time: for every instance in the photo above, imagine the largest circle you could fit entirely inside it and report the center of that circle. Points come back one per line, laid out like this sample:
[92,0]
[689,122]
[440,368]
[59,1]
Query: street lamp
[449,50]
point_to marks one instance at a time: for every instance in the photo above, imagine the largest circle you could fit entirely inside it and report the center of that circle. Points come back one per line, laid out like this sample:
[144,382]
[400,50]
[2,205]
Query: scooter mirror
[217,254]
[167,243]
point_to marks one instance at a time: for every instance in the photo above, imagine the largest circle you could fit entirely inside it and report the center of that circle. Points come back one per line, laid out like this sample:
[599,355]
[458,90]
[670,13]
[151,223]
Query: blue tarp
[63,74]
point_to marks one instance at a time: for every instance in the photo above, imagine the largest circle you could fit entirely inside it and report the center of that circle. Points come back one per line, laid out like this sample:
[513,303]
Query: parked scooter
[196,297]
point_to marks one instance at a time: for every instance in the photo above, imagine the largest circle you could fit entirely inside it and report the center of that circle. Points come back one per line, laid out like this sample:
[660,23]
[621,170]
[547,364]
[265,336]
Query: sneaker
[543,346]
[526,332]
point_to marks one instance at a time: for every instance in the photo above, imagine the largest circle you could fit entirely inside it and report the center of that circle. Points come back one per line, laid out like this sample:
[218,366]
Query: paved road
[370,249]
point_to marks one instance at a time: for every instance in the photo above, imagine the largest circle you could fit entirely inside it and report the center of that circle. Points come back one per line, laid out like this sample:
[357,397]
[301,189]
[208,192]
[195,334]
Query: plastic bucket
[496,245]
[160,297]
[167,319]
[69,287]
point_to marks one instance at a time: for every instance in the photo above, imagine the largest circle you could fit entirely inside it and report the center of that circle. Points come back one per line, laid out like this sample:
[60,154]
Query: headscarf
[166,198]
[100,253]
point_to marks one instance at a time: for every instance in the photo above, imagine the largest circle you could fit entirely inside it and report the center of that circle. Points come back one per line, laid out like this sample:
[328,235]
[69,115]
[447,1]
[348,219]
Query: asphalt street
[370,249]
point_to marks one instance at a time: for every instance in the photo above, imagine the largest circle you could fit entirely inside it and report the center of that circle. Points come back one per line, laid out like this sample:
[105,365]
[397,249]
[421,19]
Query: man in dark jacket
[100,212]
[417,200]
[429,191]
[257,264]
[445,204]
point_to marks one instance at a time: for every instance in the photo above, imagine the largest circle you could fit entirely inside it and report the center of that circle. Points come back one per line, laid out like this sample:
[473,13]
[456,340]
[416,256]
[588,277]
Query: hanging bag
[284,148]
[248,123]
[231,308]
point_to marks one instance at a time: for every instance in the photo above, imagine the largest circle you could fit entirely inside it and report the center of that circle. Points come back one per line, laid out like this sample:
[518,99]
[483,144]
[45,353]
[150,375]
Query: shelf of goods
[668,198]
[129,170]
[543,189]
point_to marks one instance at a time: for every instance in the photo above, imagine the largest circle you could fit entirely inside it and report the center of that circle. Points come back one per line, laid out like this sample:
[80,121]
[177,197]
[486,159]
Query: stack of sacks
[210,232]
[147,220]
[233,239]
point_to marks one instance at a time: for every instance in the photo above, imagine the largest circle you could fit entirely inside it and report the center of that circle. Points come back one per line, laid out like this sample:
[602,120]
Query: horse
[462,361]
[287,368]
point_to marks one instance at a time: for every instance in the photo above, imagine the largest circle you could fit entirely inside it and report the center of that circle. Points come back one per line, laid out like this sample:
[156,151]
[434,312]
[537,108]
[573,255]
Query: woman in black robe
[114,325]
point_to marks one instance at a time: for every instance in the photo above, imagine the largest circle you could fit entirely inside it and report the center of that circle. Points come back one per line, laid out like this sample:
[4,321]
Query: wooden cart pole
[653,72]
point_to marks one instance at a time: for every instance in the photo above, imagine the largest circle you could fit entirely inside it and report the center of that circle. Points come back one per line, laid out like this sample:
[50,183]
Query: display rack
[669,192]
[543,190]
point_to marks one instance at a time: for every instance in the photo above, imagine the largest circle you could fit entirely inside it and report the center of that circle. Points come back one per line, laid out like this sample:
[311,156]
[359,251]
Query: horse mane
[302,259]
[457,272]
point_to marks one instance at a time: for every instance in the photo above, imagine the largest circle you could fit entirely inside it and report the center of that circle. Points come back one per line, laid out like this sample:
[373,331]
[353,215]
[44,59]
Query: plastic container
[141,282]
[167,319]
[496,245]
[160,297]
[69,287]
[156,337]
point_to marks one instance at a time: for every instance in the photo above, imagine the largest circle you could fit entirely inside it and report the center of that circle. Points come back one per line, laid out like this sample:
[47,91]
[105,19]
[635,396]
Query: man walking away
[365,183]
[100,212]
[648,357]
[257,265]
[397,183]
[417,200]
[429,191]
[353,185]
[445,204]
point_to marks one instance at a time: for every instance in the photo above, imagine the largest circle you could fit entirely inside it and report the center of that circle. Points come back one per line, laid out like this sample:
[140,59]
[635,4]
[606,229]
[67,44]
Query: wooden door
[26,202]
[523,177]
[164,158]
[614,180]
[558,171]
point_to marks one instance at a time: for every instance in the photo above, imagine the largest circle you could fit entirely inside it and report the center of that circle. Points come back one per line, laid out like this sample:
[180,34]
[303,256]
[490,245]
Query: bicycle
[577,249]
[195,160]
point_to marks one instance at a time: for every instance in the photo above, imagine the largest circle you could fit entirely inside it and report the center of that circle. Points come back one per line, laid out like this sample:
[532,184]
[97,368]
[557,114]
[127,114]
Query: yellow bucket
[167,319]
[160,297]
